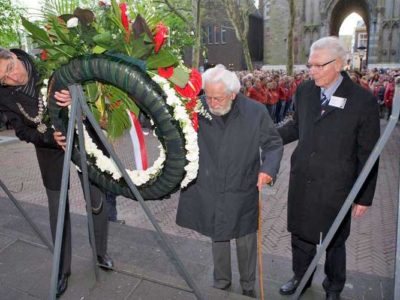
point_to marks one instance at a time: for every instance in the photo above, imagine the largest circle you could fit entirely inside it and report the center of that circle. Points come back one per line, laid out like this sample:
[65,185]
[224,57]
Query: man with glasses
[23,106]
[336,124]
[223,201]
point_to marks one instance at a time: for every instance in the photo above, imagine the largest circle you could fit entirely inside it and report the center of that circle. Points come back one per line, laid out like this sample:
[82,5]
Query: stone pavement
[143,269]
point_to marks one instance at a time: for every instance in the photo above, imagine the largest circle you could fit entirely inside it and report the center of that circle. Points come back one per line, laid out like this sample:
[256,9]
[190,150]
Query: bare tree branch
[175,11]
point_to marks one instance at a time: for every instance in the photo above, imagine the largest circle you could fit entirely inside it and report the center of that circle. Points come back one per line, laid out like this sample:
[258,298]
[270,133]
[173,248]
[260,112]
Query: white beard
[221,111]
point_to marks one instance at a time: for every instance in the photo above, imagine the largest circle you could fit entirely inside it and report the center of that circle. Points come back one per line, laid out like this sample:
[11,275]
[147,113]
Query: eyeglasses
[9,69]
[319,67]
[216,99]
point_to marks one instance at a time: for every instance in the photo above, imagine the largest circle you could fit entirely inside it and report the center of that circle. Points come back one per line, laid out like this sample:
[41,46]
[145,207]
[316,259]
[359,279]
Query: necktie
[324,99]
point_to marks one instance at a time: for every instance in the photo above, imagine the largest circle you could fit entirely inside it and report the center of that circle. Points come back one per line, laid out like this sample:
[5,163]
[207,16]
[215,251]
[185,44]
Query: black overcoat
[222,202]
[331,151]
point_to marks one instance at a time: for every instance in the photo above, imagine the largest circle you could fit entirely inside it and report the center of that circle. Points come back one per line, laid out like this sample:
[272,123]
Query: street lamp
[361,52]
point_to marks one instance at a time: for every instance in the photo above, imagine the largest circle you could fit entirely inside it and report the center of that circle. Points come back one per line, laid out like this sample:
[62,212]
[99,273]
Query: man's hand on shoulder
[263,178]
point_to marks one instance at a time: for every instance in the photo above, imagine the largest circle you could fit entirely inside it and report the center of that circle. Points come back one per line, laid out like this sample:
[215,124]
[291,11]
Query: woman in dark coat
[21,102]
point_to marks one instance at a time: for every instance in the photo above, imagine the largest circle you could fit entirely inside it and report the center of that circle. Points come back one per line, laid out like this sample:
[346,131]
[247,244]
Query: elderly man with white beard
[240,150]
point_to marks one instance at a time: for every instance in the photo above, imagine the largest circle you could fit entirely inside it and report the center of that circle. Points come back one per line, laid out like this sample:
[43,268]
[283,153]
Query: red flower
[193,87]
[124,17]
[160,36]
[191,104]
[43,55]
[195,121]
[166,72]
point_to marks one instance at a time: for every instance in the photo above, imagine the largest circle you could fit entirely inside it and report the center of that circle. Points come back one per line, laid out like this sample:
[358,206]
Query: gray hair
[220,74]
[333,45]
[5,54]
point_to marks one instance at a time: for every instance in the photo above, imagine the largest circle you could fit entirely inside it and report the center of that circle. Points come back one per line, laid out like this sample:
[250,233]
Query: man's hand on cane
[263,179]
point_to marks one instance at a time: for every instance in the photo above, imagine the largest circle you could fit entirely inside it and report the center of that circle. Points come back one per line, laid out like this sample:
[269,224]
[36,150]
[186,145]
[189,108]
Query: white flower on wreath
[140,177]
[190,135]
[73,22]
[43,92]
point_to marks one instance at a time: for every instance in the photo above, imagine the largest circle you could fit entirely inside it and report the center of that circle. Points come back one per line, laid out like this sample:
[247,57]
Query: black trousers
[100,224]
[335,263]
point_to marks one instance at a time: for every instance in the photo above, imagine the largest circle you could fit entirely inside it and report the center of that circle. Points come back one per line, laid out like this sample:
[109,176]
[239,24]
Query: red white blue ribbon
[138,143]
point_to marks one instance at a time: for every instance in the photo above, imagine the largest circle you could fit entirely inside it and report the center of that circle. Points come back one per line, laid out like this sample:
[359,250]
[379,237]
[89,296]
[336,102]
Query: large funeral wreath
[132,67]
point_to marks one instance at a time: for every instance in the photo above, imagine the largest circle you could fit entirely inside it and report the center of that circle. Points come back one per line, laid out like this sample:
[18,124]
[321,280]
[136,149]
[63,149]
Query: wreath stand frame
[78,106]
[26,216]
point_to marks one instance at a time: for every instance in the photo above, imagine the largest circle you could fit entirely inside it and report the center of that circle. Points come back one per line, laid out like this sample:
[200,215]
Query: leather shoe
[225,287]
[332,296]
[290,287]
[105,262]
[62,284]
[249,293]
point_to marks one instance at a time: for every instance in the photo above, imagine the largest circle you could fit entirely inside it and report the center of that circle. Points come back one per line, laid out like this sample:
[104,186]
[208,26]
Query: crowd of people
[275,89]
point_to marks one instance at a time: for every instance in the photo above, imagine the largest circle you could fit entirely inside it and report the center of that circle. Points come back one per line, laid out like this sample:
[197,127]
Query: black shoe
[249,293]
[290,287]
[105,262]
[332,296]
[62,284]
[225,287]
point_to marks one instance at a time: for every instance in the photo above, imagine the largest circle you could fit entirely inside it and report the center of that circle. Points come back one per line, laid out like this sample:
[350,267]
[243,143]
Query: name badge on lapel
[338,102]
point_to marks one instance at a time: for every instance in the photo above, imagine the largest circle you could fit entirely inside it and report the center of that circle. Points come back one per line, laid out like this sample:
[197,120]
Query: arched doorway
[338,10]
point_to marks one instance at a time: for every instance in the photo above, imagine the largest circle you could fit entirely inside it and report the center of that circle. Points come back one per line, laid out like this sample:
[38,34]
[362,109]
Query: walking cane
[259,246]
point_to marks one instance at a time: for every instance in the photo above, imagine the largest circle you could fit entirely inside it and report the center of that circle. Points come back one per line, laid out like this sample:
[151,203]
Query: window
[362,39]
[223,34]
[204,36]
[210,34]
[217,34]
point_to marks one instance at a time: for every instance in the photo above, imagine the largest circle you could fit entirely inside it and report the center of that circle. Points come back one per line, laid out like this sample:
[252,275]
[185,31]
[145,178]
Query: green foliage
[9,23]
[69,31]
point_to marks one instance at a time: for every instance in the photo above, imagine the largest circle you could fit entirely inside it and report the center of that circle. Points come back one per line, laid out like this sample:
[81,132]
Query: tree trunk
[197,33]
[239,16]
[247,56]
[290,50]
[261,7]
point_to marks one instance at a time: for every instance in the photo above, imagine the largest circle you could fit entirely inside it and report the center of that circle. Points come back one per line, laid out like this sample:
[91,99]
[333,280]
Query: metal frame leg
[26,216]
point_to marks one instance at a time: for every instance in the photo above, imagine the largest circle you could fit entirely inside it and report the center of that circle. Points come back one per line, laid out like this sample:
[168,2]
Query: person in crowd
[248,86]
[222,203]
[283,93]
[388,97]
[364,82]
[272,87]
[257,92]
[336,124]
[23,106]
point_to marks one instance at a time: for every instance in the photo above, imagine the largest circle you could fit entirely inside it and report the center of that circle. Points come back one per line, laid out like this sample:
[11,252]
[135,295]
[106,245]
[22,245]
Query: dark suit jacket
[332,149]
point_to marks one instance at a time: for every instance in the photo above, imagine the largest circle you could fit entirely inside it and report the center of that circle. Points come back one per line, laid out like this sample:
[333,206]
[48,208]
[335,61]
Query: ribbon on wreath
[138,142]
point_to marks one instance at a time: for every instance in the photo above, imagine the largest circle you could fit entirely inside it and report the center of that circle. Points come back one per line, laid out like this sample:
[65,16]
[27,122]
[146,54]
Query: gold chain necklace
[42,128]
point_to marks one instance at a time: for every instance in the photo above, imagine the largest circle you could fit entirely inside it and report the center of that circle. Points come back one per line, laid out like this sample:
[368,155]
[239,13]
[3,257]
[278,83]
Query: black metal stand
[26,216]
[353,193]
[79,105]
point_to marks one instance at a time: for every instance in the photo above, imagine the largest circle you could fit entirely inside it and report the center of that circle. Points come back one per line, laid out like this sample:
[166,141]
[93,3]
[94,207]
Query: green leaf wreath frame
[123,73]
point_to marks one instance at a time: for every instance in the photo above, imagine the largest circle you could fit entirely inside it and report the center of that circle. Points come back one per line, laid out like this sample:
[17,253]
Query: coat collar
[344,90]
